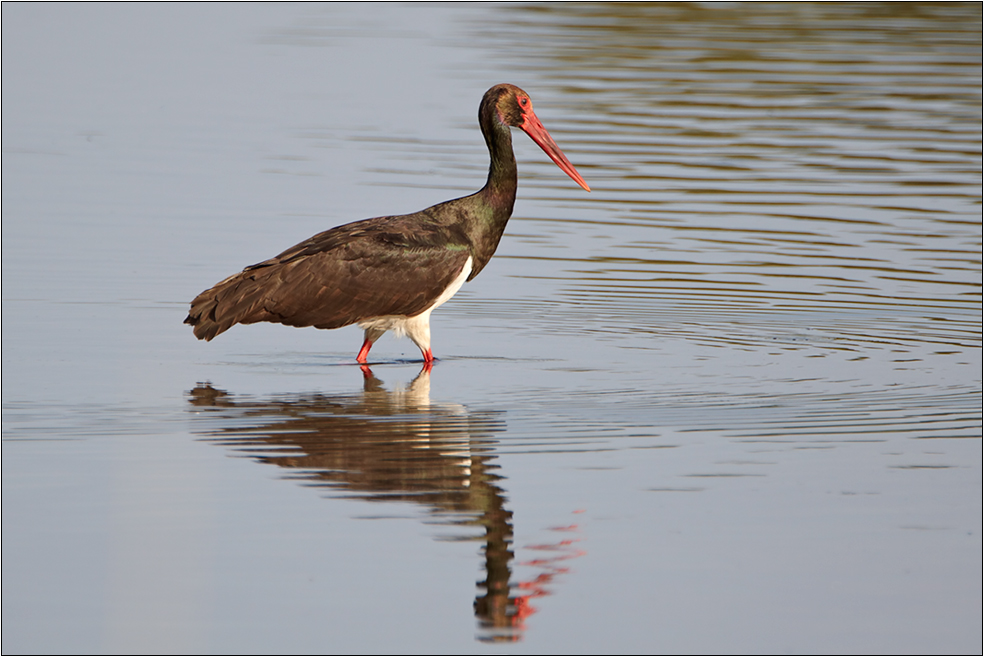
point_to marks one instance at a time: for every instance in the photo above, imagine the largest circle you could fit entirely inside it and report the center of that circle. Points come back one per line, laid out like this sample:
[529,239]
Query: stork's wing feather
[367,269]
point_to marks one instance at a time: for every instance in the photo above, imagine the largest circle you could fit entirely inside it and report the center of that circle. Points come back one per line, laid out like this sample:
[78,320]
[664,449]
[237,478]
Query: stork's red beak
[536,131]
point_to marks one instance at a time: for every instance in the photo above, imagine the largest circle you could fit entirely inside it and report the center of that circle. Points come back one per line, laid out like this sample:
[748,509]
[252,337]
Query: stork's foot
[428,360]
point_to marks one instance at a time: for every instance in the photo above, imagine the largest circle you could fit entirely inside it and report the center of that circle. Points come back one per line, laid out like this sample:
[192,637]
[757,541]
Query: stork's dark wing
[371,268]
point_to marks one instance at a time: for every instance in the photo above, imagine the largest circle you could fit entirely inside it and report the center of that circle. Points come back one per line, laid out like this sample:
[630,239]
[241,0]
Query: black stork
[387,273]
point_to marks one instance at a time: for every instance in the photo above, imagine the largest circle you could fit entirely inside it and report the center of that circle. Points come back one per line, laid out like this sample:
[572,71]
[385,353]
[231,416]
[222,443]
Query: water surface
[729,401]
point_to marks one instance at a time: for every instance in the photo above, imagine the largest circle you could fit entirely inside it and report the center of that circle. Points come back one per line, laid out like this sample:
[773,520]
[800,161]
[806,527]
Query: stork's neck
[489,210]
[500,188]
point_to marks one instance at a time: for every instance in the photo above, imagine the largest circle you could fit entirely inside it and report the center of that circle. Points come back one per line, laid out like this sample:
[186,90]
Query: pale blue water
[729,401]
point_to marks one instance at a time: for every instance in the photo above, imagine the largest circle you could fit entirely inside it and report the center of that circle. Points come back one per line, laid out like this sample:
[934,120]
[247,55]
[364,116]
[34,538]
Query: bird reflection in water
[396,445]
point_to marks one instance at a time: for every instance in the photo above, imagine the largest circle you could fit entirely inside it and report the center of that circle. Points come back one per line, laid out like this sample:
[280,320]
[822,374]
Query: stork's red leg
[363,356]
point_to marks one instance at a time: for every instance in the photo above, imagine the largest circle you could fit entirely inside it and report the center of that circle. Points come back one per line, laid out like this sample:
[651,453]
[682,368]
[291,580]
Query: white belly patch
[455,285]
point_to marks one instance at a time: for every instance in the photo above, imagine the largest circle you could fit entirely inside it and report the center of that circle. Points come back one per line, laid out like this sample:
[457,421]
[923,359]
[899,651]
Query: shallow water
[729,401]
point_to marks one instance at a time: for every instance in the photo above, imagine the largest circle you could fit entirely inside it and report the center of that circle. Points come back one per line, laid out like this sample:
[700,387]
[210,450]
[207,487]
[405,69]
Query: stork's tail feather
[236,300]
[202,318]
